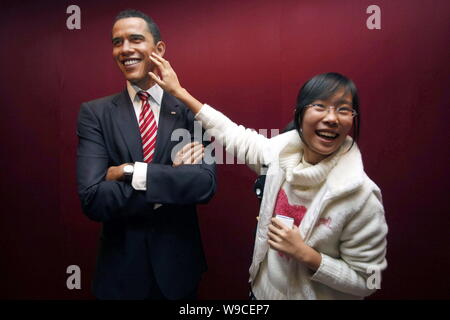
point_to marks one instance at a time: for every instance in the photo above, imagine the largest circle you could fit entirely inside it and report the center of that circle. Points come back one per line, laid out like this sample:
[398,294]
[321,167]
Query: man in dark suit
[150,245]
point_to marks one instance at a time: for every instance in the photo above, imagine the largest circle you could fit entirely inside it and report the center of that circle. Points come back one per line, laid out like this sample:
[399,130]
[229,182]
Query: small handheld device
[287,221]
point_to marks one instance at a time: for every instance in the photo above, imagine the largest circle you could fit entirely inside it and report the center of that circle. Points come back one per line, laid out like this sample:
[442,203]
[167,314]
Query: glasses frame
[336,109]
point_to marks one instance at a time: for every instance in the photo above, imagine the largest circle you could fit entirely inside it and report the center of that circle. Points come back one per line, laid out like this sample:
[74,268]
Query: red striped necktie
[148,127]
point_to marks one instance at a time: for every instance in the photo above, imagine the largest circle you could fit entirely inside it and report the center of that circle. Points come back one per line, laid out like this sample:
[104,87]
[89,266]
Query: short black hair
[321,87]
[151,25]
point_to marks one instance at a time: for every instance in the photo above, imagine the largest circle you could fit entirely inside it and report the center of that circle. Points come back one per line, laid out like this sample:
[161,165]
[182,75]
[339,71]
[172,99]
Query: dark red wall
[248,59]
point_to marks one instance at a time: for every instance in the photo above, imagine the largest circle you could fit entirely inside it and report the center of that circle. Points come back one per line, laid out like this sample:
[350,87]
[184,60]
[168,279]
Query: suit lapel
[126,119]
[167,119]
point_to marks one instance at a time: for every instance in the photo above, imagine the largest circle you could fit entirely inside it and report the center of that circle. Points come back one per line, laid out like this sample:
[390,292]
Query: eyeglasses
[343,112]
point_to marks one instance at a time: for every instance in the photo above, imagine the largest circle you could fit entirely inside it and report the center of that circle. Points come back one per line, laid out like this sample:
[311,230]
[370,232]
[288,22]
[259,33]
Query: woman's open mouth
[327,135]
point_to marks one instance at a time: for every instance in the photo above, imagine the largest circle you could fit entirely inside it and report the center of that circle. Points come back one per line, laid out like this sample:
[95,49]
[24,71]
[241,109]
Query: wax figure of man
[150,244]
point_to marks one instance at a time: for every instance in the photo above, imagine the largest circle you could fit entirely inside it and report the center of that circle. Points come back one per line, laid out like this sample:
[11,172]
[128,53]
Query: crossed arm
[105,196]
[191,153]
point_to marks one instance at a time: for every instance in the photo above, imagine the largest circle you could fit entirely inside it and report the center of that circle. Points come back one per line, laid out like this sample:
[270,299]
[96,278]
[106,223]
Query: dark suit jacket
[135,237]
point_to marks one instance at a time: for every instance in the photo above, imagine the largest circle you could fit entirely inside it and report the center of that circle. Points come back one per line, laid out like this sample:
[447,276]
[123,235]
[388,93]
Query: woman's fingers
[272,244]
[169,80]
[280,225]
[156,61]
[156,78]
[272,228]
[160,59]
[159,64]
[276,222]
[274,237]
[277,228]
[277,233]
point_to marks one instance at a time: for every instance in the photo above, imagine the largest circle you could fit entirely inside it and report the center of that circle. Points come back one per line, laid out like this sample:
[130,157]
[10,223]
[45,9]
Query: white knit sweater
[294,198]
[345,222]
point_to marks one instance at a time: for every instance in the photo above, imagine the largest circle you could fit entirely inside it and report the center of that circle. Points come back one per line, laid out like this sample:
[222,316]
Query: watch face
[128,169]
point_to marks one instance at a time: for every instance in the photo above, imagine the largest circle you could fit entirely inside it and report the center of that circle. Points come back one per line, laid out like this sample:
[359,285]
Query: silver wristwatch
[128,171]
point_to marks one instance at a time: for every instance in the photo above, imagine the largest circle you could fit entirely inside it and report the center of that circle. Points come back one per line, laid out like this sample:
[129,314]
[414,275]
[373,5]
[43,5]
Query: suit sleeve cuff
[139,181]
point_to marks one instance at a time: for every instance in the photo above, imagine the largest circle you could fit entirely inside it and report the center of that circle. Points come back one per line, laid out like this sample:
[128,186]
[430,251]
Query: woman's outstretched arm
[246,144]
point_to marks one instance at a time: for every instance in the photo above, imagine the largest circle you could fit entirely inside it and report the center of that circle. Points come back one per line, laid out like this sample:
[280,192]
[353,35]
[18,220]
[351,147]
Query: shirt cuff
[139,181]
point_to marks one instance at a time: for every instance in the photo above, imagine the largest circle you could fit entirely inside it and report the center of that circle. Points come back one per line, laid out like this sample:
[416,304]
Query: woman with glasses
[336,247]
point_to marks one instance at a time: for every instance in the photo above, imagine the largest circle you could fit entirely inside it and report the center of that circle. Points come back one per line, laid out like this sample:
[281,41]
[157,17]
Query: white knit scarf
[297,174]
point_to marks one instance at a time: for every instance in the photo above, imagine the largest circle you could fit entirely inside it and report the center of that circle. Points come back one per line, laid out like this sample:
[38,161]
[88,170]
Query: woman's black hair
[321,87]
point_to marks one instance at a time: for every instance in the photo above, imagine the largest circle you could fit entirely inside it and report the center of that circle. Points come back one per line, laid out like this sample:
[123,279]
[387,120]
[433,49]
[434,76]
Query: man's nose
[126,48]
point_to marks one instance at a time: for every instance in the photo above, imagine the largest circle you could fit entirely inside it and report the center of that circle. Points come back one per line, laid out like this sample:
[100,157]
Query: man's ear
[160,48]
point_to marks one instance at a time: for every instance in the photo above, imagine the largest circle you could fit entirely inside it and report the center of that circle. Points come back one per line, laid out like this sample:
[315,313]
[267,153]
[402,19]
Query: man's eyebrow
[136,35]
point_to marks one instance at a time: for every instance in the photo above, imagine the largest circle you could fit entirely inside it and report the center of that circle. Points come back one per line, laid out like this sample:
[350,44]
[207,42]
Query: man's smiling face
[132,45]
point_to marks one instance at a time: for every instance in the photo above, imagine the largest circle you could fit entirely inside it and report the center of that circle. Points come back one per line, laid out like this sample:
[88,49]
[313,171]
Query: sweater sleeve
[246,144]
[362,255]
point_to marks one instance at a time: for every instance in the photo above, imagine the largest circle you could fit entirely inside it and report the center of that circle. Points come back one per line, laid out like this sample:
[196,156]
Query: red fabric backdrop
[248,59]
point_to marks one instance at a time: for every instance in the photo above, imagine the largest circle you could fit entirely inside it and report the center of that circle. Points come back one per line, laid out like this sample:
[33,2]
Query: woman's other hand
[289,241]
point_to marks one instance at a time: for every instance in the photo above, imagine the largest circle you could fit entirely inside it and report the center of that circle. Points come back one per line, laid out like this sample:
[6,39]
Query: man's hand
[192,153]
[115,173]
